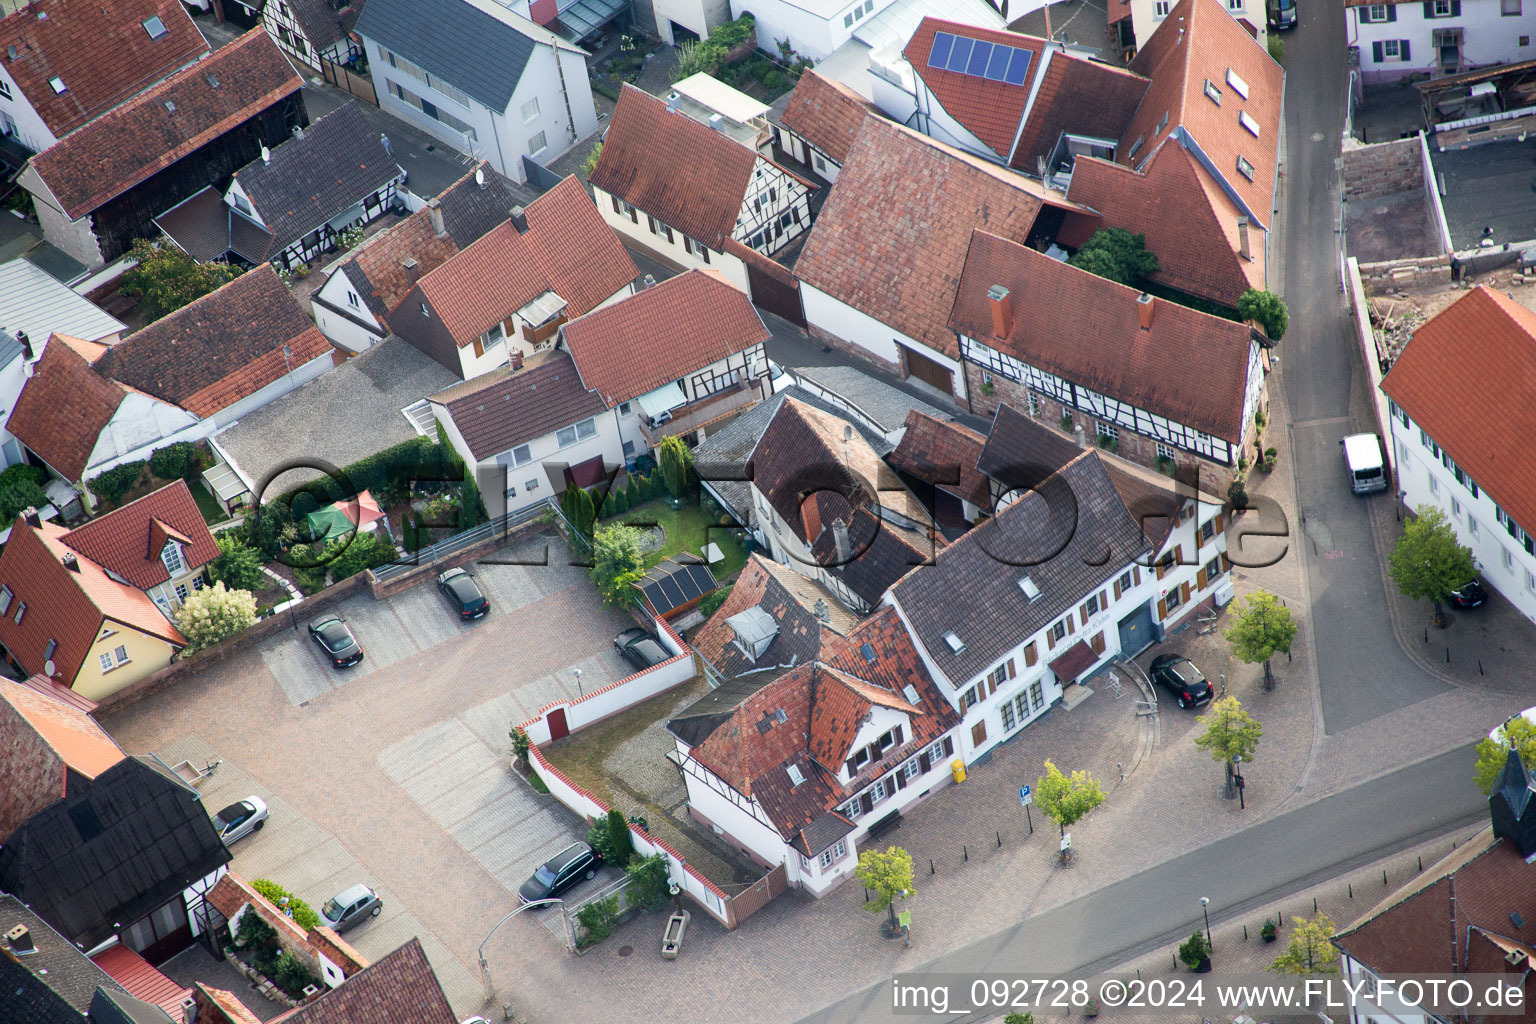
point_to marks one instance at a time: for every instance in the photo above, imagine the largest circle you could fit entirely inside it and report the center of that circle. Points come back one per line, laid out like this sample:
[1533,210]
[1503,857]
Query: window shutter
[1162,608]
[1083,612]
[949,746]
[1226,564]
[900,738]
[1011,670]
[1391,12]
[979,733]
[1117,590]
[867,802]
[924,762]
[1160,570]
[1030,654]
[1097,643]
[616,207]
[1136,570]
[1429,8]
[1218,522]
[991,685]
[852,768]
[1050,641]
[479,347]
[1376,51]
[1184,592]
[1403,47]
[1103,600]
[1200,579]
[901,779]
[1178,554]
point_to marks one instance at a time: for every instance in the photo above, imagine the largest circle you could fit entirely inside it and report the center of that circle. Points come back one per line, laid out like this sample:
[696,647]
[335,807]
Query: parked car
[1281,13]
[1469,595]
[1179,676]
[560,872]
[350,908]
[639,648]
[463,594]
[239,820]
[335,638]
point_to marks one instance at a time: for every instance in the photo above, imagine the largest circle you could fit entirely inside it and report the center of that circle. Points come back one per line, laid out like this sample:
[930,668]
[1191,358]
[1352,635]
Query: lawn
[688,529]
[211,510]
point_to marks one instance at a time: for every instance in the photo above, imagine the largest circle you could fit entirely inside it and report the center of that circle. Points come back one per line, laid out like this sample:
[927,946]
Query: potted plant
[1066,422]
[1269,931]
[1091,1008]
[988,388]
[1195,953]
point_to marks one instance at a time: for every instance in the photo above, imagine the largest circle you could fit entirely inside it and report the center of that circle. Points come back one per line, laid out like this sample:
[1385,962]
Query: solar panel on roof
[980,54]
[943,42]
[960,54]
[1018,67]
[997,67]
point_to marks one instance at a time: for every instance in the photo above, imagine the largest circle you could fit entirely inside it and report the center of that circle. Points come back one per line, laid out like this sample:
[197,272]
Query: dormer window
[171,556]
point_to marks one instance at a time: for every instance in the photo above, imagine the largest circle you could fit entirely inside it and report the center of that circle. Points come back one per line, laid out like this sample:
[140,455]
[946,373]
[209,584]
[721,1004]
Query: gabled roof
[479,47]
[144,136]
[1058,535]
[1479,351]
[892,237]
[826,113]
[325,21]
[315,177]
[109,1007]
[677,582]
[567,249]
[1019,453]
[114,849]
[101,53]
[991,109]
[943,453]
[32,300]
[1189,222]
[666,164]
[400,987]
[661,334]
[63,408]
[128,540]
[1081,96]
[54,985]
[1200,42]
[505,408]
[224,347]
[42,739]
[148,989]
[841,704]
[1189,366]
[205,227]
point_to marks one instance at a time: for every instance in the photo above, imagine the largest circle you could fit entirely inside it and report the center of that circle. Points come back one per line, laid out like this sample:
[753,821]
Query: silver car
[350,908]
[239,820]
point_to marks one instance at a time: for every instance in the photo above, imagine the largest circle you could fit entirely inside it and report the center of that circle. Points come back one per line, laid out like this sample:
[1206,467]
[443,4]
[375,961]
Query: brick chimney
[436,214]
[840,538]
[1242,238]
[1002,310]
[70,561]
[1144,310]
[26,345]
[33,519]
[412,269]
[519,218]
[515,360]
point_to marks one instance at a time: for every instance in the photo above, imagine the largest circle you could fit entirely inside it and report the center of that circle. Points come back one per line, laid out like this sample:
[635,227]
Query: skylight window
[869,653]
[155,27]
[1238,85]
[1245,168]
[58,85]
[955,643]
[1162,123]
[1248,123]
[1028,586]
[1212,92]
[795,775]
[911,694]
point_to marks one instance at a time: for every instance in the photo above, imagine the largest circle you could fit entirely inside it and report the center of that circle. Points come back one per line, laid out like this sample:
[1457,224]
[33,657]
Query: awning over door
[663,399]
[1073,662]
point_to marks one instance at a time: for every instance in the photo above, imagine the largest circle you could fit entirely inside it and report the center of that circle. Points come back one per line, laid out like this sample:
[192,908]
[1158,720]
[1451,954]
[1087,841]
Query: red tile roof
[826,113]
[662,334]
[581,255]
[1200,42]
[499,410]
[128,540]
[133,141]
[223,348]
[71,733]
[1081,96]
[991,110]
[1189,366]
[398,988]
[943,453]
[1479,350]
[63,409]
[101,52]
[1189,222]
[674,168]
[892,237]
[141,980]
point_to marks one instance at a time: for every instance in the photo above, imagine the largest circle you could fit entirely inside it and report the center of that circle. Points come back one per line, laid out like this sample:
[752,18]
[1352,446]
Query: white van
[1362,457]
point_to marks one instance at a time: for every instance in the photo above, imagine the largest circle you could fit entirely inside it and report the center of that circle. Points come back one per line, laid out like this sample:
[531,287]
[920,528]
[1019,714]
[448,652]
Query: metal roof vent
[20,940]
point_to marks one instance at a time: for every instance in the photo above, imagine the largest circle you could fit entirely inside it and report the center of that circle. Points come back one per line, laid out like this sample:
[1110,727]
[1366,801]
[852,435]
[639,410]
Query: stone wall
[32,770]
[1430,272]
[1382,169]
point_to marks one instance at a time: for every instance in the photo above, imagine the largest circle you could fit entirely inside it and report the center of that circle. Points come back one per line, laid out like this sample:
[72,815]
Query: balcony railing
[703,411]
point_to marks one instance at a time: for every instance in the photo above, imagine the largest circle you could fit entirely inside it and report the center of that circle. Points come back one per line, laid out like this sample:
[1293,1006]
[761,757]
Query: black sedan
[560,872]
[335,638]
[1469,595]
[1179,676]
[463,594]
[639,648]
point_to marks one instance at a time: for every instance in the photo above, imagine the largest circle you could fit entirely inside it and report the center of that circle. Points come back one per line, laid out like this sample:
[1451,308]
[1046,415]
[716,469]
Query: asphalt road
[1252,868]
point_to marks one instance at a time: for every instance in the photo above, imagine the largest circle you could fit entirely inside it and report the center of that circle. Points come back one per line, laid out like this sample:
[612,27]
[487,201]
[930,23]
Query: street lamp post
[1237,771]
[1205,902]
[578,681]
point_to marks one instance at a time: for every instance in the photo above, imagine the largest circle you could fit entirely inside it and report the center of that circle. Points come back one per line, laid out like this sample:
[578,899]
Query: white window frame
[1391,49]
[538,142]
[171,557]
[1008,717]
[1434,485]
[105,660]
[578,432]
[534,103]
[21,611]
[1167,451]
[1376,13]
[6,596]
[1508,556]
[826,858]
[911,770]
[121,653]
[5,91]
[1161,8]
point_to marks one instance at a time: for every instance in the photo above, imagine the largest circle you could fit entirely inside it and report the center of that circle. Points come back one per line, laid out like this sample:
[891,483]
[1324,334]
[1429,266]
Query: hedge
[303,914]
[117,481]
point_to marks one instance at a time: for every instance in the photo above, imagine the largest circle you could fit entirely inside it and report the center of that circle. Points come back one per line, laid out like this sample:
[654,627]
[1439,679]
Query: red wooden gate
[558,730]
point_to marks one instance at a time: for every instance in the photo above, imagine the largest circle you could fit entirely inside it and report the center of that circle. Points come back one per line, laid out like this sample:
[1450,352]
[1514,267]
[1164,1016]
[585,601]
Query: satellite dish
[479,177]
[49,668]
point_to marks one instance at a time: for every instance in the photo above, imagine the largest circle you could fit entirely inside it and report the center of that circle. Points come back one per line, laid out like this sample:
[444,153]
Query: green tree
[1311,950]
[1065,799]
[349,555]
[167,278]
[617,562]
[238,566]
[117,481]
[888,875]
[590,163]
[1261,628]
[1194,950]
[471,505]
[182,460]
[1117,254]
[649,883]
[576,503]
[632,490]
[214,613]
[1429,561]
[20,489]
[266,528]
[1267,310]
[676,462]
[1276,47]
[1518,734]
[1229,731]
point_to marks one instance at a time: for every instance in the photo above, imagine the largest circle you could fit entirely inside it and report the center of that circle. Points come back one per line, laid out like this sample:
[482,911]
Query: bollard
[965,853]
[1245,933]
[1426,634]
[1279,919]
[1314,904]
[1383,876]
[866,895]
[999,840]
[930,867]
[1479,666]
[1351,890]
[1421,862]
[1447,655]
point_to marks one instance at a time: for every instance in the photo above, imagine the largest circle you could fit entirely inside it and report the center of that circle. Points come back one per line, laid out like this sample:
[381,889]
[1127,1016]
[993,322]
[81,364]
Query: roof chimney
[840,538]
[70,561]
[25,343]
[1144,310]
[20,940]
[30,515]
[1002,310]
[673,99]
[412,269]
[717,122]
[1242,238]
[516,360]
[649,282]
[519,219]
[436,214]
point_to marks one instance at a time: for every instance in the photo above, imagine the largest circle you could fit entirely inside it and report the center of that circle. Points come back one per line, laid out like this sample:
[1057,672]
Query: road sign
[1025,799]
[904,918]
[1066,842]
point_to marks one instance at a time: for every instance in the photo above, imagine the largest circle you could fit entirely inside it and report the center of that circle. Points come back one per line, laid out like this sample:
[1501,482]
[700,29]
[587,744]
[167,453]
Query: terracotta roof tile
[582,258]
[1189,366]
[1479,351]
[100,51]
[789,598]
[128,540]
[142,980]
[991,110]
[1020,452]
[226,1003]
[826,113]
[943,454]
[400,987]
[1081,96]
[63,408]
[224,347]
[662,334]
[504,408]
[674,168]
[130,143]
[71,733]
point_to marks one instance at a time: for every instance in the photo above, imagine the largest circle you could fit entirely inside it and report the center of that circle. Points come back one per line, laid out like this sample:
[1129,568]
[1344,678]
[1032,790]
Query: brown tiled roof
[1081,96]
[674,168]
[130,143]
[826,113]
[1019,453]
[63,409]
[1189,222]
[69,732]
[943,454]
[1198,42]
[65,605]
[504,408]
[224,1003]
[399,988]
[892,237]
[991,110]
[128,540]
[1480,350]
[790,599]
[1190,367]
[224,347]
[662,334]
[201,226]
[841,702]
[325,21]
[101,52]
[879,552]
